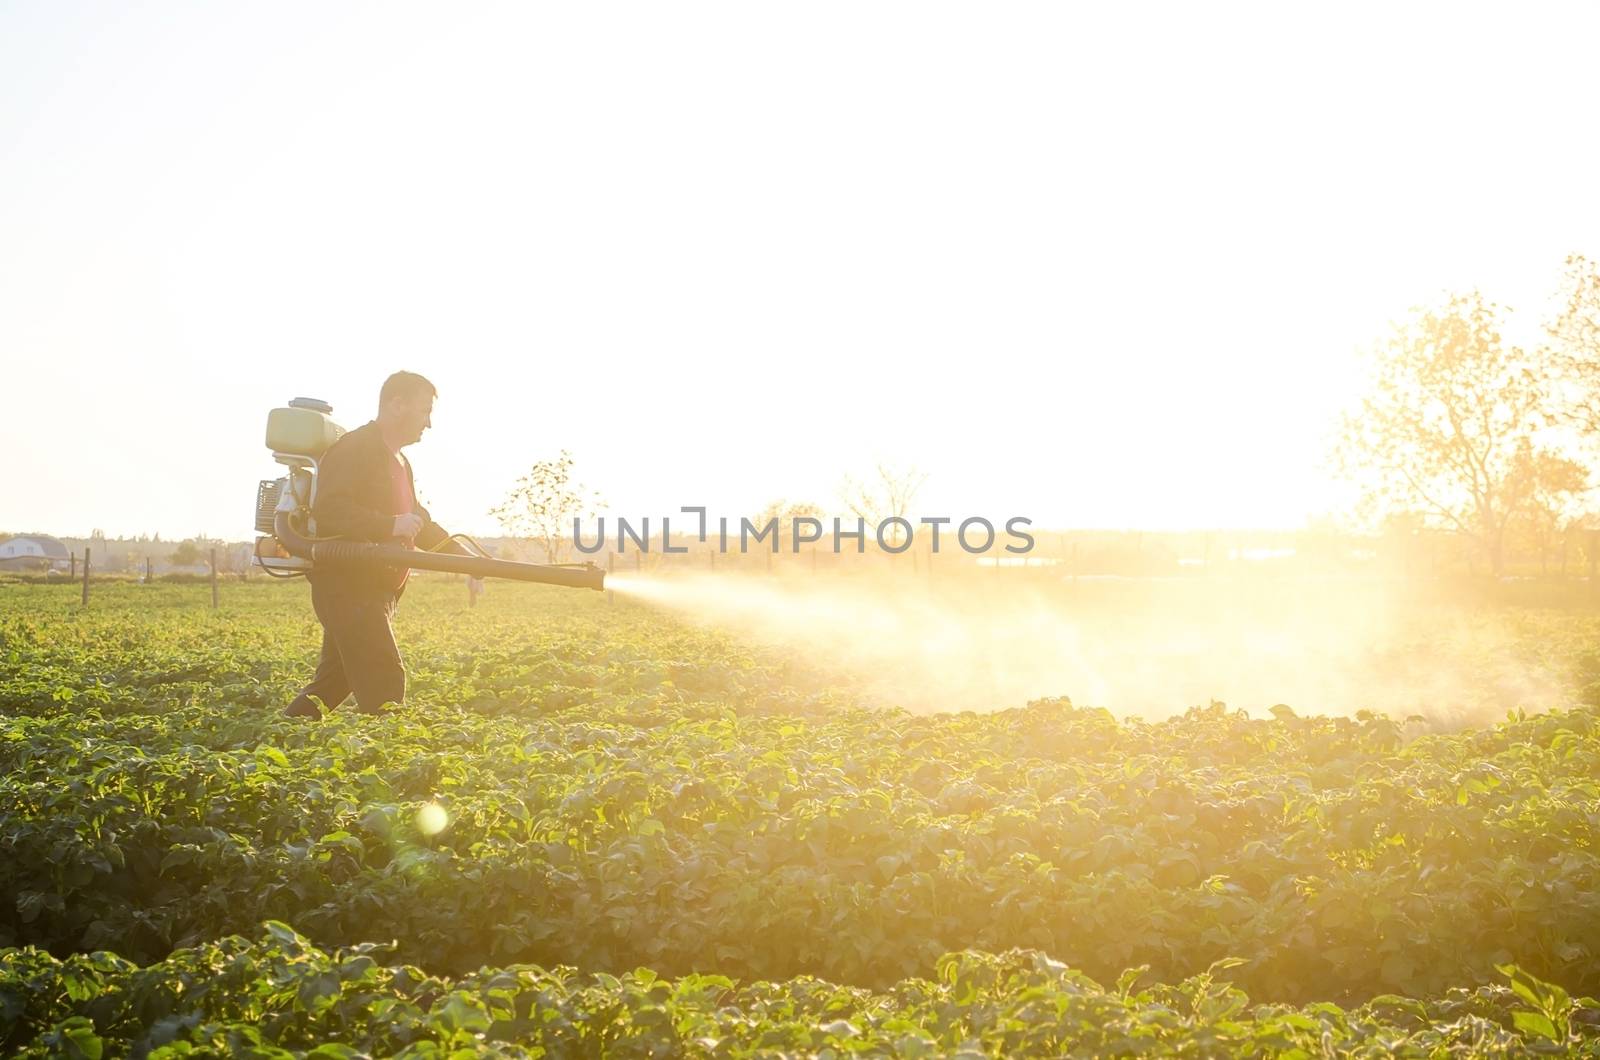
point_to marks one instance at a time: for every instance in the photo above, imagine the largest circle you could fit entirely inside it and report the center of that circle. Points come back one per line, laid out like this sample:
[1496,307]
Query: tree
[1451,427]
[1542,491]
[784,513]
[1575,337]
[187,554]
[886,495]
[104,558]
[544,503]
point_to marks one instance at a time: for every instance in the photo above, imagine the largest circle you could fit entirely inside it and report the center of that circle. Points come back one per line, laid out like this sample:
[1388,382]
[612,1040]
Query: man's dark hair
[404,385]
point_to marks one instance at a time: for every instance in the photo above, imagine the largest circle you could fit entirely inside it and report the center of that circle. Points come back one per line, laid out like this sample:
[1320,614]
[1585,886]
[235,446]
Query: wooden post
[74,574]
[472,591]
[86,576]
[213,578]
[149,576]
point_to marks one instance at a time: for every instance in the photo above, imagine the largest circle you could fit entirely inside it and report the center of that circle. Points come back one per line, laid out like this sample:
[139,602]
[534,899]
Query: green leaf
[1546,997]
[460,1012]
[319,993]
[1398,970]
[29,905]
[79,987]
[1130,976]
[176,857]
[78,1039]
[1534,1023]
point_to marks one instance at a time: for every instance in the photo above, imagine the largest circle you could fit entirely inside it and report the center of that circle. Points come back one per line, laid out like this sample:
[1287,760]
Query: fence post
[213,579]
[74,573]
[149,576]
[86,576]
[472,591]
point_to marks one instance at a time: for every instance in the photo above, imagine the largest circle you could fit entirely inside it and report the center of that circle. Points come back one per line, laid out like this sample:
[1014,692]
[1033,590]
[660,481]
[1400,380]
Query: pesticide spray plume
[1140,647]
[630,585]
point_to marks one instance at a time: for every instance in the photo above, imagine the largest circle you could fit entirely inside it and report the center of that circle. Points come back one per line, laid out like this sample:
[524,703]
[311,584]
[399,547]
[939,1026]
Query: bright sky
[1102,265]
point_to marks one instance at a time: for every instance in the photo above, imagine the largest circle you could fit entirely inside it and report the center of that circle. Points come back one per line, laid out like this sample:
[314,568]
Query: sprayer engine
[299,434]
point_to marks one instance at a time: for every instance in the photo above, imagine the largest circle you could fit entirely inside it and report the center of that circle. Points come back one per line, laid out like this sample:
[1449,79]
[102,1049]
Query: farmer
[365,493]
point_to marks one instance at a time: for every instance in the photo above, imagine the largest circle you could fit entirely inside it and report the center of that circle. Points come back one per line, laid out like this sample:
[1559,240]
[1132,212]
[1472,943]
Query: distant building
[33,552]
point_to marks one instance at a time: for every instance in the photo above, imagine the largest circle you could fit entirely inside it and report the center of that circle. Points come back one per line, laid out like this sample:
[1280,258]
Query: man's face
[412,416]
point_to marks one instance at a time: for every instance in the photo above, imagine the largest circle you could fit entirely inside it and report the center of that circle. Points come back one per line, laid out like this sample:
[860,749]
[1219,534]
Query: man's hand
[407,526]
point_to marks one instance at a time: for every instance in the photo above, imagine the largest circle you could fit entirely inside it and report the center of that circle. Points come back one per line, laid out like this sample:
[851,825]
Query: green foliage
[280,995]
[622,792]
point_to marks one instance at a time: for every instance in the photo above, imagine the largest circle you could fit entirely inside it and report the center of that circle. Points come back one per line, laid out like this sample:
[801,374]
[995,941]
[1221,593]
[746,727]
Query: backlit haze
[1100,268]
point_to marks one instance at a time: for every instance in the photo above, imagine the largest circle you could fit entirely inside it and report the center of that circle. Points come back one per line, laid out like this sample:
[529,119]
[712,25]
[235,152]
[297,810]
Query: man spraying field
[365,492]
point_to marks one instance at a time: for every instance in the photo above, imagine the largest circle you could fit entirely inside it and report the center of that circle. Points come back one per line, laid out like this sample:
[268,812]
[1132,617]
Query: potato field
[596,830]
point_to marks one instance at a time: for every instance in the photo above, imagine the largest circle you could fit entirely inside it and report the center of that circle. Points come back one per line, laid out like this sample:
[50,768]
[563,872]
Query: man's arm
[432,537]
[338,508]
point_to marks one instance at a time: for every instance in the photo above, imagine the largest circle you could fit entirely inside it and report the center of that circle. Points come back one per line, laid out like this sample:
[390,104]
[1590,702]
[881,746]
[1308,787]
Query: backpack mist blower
[298,435]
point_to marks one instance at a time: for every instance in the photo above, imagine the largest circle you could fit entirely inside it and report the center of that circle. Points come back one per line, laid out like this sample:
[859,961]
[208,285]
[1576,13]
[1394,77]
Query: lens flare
[432,819]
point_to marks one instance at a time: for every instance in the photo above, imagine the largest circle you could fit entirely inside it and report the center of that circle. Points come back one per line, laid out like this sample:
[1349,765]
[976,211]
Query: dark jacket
[355,501]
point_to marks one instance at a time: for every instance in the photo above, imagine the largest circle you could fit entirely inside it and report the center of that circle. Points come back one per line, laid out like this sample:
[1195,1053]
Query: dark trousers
[358,650]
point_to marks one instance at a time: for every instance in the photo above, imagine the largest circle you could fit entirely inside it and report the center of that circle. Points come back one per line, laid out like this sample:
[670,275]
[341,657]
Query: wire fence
[1570,558]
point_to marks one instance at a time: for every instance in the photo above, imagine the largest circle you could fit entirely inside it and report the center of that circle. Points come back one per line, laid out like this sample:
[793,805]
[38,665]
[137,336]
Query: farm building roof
[52,546]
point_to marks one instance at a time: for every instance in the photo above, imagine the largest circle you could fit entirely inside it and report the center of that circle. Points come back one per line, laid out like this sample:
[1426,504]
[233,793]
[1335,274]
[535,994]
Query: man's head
[405,407]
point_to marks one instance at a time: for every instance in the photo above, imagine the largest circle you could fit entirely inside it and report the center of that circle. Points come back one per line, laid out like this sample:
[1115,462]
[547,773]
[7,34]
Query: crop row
[282,996]
[575,787]
[859,846]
